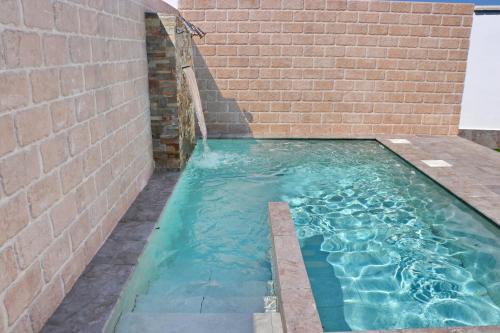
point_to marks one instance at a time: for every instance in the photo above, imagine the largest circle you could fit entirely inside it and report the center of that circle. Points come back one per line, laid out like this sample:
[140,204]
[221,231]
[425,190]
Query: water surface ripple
[384,246]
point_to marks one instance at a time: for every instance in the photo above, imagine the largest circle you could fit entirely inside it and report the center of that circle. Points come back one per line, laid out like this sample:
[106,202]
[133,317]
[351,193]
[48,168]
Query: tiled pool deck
[474,176]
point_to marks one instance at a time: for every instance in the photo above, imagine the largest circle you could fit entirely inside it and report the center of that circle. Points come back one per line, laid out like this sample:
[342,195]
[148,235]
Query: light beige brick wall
[75,142]
[327,68]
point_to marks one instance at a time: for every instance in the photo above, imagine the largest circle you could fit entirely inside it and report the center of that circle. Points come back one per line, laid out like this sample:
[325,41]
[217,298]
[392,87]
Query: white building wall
[481,98]
[173,3]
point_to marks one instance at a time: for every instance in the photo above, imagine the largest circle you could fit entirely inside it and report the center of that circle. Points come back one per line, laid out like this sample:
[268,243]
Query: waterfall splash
[195,95]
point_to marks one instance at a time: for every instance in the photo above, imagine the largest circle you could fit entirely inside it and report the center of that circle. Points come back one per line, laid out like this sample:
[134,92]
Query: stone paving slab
[90,303]
[296,301]
[474,175]
[269,322]
[188,323]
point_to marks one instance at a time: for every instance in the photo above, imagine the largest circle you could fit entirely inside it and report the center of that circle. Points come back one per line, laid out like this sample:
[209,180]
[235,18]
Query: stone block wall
[75,142]
[487,138]
[169,49]
[330,68]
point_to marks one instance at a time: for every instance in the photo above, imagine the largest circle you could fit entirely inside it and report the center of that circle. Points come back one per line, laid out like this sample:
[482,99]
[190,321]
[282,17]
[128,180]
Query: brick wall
[326,68]
[75,143]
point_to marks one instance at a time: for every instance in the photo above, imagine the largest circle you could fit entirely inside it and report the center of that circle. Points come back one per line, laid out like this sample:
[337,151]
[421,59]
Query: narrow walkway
[474,174]
[89,304]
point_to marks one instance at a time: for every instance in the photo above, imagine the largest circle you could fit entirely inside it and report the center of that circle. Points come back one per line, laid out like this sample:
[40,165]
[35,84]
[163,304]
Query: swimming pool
[384,246]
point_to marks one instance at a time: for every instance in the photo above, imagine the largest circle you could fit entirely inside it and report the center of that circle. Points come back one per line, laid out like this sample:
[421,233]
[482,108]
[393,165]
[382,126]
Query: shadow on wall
[223,115]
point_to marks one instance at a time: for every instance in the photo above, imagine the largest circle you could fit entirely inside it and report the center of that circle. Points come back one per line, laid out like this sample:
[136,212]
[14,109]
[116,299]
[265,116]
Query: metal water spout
[191,28]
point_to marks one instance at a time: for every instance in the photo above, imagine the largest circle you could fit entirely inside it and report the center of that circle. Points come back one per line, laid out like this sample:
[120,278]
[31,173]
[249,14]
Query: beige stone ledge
[296,302]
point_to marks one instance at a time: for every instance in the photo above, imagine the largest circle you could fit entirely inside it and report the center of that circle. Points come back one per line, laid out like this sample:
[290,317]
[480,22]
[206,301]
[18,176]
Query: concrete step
[205,271]
[267,323]
[186,323]
[215,288]
[152,303]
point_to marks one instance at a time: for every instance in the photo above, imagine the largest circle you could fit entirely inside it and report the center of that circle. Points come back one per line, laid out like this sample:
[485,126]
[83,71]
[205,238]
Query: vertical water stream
[195,95]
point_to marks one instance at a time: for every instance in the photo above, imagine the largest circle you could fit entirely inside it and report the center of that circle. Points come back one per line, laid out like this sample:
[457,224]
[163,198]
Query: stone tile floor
[474,175]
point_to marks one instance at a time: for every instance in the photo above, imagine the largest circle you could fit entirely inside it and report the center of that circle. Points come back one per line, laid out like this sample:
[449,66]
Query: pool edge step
[199,304]
[269,322]
[204,323]
[187,323]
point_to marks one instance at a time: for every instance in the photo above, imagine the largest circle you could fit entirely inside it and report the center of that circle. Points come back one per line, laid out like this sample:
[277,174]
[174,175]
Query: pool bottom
[352,190]
[294,316]
[399,266]
[326,286]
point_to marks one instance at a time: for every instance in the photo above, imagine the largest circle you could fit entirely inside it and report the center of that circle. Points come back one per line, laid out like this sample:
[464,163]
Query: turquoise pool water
[384,246]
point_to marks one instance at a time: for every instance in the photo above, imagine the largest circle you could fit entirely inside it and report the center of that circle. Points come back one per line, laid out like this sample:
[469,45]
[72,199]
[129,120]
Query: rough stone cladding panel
[169,49]
[488,138]
[329,68]
[75,142]
[160,39]
[187,134]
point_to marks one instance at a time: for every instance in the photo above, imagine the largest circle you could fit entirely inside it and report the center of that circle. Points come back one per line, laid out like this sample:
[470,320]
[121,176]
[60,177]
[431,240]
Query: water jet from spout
[195,96]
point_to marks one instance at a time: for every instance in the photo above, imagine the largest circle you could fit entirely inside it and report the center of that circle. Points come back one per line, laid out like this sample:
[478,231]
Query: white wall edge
[481,96]
[173,3]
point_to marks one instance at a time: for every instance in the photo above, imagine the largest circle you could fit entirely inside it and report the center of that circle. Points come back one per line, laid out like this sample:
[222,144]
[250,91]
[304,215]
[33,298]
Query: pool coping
[295,298]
